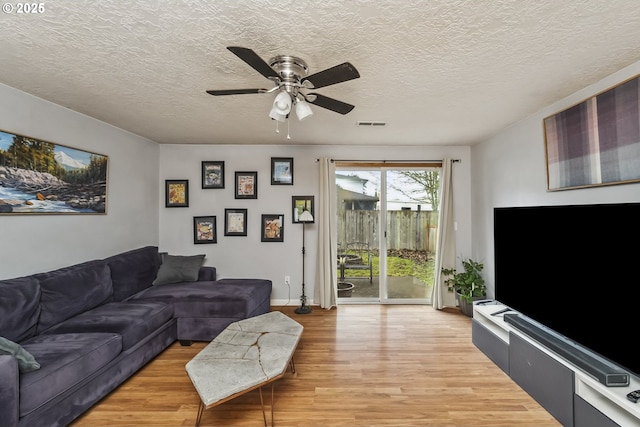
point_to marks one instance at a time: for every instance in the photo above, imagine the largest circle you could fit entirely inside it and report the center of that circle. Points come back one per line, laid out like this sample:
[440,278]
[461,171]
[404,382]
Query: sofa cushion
[178,268]
[206,273]
[19,308]
[72,290]
[133,271]
[231,298]
[65,360]
[26,361]
[133,320]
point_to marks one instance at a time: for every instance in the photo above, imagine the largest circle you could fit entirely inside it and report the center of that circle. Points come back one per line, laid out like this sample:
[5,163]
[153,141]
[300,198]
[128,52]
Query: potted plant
[344,288]
[468,285]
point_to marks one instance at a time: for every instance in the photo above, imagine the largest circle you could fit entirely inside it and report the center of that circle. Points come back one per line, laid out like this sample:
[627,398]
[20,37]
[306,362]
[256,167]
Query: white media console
[574,397]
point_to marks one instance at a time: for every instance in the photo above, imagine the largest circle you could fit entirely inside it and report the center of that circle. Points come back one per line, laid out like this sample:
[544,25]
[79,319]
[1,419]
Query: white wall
[248,256]
[37,243]
[510,170]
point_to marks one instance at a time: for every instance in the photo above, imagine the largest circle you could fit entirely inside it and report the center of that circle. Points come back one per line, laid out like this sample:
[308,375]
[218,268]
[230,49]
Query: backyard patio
[403,287]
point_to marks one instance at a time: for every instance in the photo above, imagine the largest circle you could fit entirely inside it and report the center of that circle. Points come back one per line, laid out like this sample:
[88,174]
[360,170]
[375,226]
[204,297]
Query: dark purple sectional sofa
[91,326]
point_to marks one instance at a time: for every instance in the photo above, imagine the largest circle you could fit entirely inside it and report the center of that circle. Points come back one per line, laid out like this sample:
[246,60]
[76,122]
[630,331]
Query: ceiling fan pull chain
[277,130]
[288,126]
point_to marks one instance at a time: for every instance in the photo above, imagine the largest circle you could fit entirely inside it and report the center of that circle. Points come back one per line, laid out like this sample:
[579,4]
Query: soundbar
[601,369]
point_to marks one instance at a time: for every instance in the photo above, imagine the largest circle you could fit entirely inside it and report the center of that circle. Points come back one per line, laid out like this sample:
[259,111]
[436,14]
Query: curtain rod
[391,161]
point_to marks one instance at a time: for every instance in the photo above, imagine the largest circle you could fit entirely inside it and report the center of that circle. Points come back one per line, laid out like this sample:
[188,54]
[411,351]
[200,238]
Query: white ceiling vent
[373,124]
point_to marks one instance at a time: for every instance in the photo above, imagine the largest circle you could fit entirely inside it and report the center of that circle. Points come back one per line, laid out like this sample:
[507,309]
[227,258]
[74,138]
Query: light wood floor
[358,365]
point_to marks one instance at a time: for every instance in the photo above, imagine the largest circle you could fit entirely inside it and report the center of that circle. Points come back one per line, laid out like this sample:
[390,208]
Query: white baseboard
[286,302]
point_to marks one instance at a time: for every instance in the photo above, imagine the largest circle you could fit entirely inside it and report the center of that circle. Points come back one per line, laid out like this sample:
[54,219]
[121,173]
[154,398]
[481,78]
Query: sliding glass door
[358,225]
[386,233]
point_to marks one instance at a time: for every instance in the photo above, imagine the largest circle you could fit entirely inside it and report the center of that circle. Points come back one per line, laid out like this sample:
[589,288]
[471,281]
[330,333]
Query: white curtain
[326,276]
[445,243]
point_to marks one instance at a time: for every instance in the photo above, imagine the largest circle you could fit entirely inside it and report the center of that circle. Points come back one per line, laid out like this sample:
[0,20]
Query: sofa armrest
[206,274]
[9,390]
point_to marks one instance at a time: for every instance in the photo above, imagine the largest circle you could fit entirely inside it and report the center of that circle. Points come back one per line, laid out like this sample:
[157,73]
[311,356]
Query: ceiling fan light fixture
[282,103]
[277,116]
[303,110]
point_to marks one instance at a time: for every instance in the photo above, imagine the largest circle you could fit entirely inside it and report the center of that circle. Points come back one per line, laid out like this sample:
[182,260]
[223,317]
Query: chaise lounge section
[74,334]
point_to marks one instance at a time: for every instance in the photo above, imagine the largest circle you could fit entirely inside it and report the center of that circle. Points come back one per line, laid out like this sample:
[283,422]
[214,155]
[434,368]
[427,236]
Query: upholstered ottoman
[203,309]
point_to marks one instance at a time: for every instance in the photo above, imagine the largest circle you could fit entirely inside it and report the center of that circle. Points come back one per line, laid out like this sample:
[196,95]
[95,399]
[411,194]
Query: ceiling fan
[289,75]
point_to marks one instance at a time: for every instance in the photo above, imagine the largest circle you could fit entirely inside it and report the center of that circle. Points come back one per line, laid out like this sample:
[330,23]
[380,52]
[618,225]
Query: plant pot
[344,289]
[467,307]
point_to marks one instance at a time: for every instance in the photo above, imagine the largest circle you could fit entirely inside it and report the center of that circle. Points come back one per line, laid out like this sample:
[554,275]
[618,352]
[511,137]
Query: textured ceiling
[437,71]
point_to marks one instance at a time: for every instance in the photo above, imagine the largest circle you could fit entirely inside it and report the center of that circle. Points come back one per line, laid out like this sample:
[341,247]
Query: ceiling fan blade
[234,91]
[330,103]
[338,74]
[252,58]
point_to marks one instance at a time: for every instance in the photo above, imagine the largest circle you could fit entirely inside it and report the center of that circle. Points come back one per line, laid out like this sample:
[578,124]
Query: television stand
[571,395]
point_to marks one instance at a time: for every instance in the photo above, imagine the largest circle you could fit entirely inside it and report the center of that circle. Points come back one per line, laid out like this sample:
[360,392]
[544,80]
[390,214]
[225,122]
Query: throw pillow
[26,361]
[178,268]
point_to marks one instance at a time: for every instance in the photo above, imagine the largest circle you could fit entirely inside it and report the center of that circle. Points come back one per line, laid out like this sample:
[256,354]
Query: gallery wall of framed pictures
[235,221]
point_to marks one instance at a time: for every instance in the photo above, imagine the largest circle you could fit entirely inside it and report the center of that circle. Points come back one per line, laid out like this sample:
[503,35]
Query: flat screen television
[576,270]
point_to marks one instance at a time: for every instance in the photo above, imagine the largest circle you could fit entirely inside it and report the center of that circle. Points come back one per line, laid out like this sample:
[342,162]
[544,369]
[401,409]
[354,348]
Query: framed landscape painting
[40,177]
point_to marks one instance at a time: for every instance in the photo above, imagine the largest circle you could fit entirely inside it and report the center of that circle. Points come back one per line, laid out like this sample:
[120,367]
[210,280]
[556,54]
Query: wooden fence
[413,230]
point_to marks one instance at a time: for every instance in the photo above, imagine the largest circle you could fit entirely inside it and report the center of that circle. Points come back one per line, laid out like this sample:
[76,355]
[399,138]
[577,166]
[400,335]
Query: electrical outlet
[287,280]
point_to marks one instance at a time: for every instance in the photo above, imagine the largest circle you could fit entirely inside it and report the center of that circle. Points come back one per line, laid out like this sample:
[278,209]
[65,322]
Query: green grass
[400,267]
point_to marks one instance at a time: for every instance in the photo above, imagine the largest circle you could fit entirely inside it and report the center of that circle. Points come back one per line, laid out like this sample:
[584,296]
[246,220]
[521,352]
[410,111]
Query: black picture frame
[235,222]
[272,227]
[298,203]
[176,193]
[204,229]
[212,174]
[282,171]
[246,185]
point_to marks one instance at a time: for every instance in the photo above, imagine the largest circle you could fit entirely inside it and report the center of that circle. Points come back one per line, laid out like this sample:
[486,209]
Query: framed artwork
[282,171]
[246,185]
[596,142]
[299,203]
[176,193]
[235,222]
[40,177]
[204,229]
[212,174]
[272,228]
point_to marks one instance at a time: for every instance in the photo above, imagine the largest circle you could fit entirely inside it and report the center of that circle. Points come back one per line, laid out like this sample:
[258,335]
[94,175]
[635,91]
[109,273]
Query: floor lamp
[304,217]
